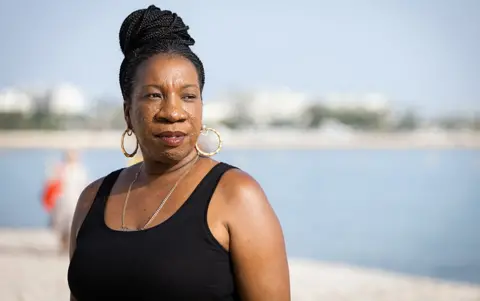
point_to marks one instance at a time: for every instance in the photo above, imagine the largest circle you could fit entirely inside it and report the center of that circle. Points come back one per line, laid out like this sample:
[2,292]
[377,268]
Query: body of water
[409,211]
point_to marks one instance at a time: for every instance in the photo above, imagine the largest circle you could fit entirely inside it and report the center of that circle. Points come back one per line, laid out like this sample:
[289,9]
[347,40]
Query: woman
[179,225]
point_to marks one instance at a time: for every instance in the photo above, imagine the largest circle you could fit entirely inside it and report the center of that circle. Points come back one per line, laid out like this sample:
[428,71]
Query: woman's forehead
[167,70]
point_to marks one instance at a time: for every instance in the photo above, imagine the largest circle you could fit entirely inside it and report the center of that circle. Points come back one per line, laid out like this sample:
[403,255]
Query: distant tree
[315,115]
[237,122]
[408,121]
[241,118]
[359,118]
[45,121]
[454,122]
[116,119]
[10,121]
[476,122]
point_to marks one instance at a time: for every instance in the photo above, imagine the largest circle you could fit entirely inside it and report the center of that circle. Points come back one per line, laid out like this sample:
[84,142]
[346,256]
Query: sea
[414,212]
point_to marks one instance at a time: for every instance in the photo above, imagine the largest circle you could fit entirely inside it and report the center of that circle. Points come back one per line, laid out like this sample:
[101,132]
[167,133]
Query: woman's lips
[171,138]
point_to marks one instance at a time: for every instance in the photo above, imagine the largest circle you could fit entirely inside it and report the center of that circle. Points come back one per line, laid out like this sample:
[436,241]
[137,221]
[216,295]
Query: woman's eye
[189,97]
[153,95]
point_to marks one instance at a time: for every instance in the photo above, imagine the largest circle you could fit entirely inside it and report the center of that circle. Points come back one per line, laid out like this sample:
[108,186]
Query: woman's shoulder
[238,188]
[246,210]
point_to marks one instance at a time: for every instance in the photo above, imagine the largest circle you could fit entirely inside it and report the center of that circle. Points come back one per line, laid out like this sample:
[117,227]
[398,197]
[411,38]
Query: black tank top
[177,260]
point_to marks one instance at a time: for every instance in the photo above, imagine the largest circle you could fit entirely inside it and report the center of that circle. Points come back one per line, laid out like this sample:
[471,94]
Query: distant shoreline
[266,139]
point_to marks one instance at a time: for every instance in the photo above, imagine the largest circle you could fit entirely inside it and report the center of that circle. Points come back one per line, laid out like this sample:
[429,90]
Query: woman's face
[165,110]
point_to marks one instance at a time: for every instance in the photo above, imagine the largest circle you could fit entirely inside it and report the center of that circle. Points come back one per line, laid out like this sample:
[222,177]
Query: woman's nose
[171,110]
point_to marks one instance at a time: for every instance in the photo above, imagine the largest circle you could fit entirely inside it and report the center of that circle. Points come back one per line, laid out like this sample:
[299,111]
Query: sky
[421,53]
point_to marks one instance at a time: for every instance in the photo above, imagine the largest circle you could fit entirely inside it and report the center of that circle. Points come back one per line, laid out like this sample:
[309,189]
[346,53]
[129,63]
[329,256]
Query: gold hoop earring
[129,133]
[204,131]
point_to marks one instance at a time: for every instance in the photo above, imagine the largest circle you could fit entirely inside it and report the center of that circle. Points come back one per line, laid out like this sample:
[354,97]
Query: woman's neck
[153,170]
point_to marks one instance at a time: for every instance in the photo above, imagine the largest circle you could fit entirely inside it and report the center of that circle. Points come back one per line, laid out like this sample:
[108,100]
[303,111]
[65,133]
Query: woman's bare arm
[257,245]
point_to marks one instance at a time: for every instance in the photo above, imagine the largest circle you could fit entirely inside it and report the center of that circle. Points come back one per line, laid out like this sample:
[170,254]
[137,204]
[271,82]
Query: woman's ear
[126,114]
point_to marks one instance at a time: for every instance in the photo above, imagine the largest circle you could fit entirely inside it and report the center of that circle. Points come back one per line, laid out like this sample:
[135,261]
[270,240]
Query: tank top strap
[95,216]
[202,195]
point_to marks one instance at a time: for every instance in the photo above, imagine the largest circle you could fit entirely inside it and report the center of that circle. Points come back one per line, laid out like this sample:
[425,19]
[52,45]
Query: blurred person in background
[178,225]
[61,194]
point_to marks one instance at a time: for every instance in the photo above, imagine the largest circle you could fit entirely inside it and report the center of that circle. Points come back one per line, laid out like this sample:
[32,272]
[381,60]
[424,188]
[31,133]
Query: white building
[15,101]
[66,99]
[281,106]
[373,102]
[216,112]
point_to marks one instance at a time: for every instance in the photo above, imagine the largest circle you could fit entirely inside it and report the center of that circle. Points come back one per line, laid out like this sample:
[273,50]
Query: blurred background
[360,119]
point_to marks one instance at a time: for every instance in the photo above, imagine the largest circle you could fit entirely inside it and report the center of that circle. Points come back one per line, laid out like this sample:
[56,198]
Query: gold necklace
[162,203]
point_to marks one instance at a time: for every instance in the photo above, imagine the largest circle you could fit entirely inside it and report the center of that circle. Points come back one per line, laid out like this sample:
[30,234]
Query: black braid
[150,31]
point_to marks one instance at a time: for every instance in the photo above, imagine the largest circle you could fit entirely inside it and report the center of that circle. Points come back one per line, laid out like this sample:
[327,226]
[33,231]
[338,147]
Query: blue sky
[422,53]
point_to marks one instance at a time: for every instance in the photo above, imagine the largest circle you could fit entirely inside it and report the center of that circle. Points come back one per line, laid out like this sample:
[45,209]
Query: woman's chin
[169,154]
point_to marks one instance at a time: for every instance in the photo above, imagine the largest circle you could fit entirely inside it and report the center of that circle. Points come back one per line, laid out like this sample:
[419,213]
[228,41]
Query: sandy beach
[254,139]
[30,269]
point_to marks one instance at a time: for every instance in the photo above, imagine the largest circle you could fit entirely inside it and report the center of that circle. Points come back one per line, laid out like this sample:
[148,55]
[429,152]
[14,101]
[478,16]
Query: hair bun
[152,25]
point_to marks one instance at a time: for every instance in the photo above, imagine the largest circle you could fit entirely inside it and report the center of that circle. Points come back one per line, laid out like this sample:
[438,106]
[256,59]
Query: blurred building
[372,102]
[277,107]
[16,101]
[66,99]
[259,109]
[218,112]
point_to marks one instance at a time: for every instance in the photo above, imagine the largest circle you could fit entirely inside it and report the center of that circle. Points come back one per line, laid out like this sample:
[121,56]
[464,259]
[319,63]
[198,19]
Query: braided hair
[147,32]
